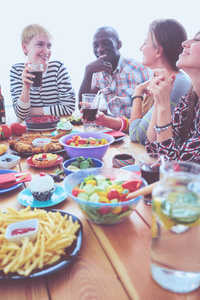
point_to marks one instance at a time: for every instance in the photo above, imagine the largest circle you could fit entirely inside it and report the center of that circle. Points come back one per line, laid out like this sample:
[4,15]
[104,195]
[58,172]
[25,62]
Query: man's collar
[119,65]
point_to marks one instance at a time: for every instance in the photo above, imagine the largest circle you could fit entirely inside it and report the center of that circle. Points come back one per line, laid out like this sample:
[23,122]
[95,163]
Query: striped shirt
[122,83]
[188,150]
[138,128]
[56,95]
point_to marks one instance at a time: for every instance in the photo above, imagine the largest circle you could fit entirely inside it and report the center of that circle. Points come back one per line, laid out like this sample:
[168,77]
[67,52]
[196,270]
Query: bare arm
[140,90]
[161,87]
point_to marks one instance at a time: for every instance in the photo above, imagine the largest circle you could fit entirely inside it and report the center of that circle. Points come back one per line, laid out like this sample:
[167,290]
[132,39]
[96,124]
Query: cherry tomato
[76,191]
[69,141]
[82,141]
[74,138]
[5,131]
[103,210]
[113,194]
[132,185]
[18,128]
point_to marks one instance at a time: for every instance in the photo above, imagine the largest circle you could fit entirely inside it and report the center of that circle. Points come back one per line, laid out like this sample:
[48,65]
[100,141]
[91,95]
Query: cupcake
[64,126]
[42,187]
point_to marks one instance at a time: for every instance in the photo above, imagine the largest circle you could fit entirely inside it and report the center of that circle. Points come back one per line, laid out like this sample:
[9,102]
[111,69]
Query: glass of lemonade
[175,246]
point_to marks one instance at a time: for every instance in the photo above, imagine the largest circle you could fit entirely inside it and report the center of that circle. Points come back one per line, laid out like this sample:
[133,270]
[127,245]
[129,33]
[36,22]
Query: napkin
[10,179]
[116,133]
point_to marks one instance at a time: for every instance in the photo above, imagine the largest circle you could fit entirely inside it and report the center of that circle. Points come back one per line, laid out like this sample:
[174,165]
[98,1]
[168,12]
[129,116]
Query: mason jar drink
[175,246]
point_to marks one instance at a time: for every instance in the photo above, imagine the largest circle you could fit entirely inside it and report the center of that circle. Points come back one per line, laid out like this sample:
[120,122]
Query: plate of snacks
[44,160]
[41,122]
[22,261]
[24,145]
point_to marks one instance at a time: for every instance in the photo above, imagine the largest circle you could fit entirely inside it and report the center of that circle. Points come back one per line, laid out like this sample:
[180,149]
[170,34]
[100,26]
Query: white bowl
[9,164]
[40,142]
[32,223]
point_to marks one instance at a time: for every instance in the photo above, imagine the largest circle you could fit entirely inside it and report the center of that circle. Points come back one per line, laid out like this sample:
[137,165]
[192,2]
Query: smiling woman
[56,95]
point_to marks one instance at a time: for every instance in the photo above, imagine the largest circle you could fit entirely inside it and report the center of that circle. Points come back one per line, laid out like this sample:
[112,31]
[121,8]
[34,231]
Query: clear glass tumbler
[175,246]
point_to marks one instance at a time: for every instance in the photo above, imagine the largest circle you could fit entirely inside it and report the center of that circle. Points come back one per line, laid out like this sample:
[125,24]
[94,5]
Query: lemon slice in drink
[73,168]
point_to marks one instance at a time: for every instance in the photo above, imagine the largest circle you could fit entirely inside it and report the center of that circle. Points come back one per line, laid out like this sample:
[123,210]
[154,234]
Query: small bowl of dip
[17,231]
[40,142]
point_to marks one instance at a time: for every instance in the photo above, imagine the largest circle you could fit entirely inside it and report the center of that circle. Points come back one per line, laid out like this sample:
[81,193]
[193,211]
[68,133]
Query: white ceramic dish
[9,164]
[41,142]
[32,223]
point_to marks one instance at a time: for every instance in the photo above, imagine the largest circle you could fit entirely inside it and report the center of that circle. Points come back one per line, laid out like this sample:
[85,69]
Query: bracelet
[158,129]
[124,123]
[141,97]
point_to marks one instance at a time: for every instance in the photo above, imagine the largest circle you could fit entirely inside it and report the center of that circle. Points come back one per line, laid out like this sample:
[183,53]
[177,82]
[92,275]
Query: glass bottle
[2,109]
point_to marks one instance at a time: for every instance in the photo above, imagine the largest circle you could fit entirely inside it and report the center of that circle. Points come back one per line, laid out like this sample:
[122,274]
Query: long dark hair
[169,34]
[192,100]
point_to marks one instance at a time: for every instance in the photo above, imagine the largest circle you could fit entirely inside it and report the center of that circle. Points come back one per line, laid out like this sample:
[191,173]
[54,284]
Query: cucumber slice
[83,196]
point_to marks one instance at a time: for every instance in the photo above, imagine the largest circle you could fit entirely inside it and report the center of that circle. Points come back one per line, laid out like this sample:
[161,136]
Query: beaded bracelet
[124,122]
[158,129]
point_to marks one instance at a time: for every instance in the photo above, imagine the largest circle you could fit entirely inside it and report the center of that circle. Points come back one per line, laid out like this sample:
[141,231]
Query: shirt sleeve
[66,95]
[173,148]
[138,128]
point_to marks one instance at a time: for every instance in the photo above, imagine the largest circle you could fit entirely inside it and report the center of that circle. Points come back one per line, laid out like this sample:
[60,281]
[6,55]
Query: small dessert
[44,159]
[42,187]
[64,126]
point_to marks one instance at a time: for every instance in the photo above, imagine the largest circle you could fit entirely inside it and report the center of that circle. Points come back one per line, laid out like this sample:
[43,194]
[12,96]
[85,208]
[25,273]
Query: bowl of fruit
[81,163]
[86,144]
[101,193]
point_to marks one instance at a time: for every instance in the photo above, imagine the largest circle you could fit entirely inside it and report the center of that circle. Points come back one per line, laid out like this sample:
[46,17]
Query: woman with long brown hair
[177,136]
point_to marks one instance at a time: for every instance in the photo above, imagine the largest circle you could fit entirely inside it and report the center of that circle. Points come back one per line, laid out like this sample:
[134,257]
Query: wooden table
[114,261]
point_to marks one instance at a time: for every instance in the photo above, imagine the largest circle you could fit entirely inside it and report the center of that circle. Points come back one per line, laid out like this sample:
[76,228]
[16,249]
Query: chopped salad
[98,189]
[77,141]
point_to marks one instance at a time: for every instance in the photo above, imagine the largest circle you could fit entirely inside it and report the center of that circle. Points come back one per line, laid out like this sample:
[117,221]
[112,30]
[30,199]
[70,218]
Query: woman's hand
[26,76]
[142,89]
[160,86]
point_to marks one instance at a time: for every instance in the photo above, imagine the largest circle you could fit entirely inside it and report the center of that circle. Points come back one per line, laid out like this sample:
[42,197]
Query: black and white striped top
[56,96]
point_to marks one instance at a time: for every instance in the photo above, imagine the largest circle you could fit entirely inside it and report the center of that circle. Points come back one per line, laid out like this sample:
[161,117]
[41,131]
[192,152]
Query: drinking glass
[90,105]
[37,80]
[175,243]
[149,167]
[168,168]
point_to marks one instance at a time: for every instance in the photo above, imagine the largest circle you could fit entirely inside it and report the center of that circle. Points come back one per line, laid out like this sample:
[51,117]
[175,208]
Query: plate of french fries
[57,244]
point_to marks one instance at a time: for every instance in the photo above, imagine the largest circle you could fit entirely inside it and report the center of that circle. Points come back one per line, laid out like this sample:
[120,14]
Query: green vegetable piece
[94,198]
[76,164]
[84,165]
[91,164]
[80,159]
[83,196]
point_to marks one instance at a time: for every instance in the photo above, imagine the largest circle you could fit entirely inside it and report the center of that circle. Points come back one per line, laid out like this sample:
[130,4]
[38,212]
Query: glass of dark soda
[90,105]
[150,169]
[36,69]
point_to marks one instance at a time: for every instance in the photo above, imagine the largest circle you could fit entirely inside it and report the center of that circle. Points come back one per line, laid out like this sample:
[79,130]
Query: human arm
[96,66]
[119,124]
[160,87]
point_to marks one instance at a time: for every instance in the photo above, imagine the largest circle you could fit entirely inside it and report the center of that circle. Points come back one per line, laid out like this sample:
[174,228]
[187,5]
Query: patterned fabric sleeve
[190,149]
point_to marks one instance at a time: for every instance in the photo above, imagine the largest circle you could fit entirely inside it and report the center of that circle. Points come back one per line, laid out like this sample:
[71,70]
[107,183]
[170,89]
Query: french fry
[55,233]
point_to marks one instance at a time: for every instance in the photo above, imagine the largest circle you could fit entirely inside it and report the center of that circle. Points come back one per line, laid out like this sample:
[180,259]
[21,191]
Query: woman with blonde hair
[56,95]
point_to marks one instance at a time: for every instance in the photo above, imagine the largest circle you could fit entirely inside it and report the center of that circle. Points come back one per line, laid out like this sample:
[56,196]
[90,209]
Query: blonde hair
[34,29]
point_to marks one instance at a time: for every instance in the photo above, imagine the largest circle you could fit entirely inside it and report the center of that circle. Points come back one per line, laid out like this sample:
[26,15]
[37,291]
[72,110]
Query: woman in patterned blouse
[56,96]
[177,136]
